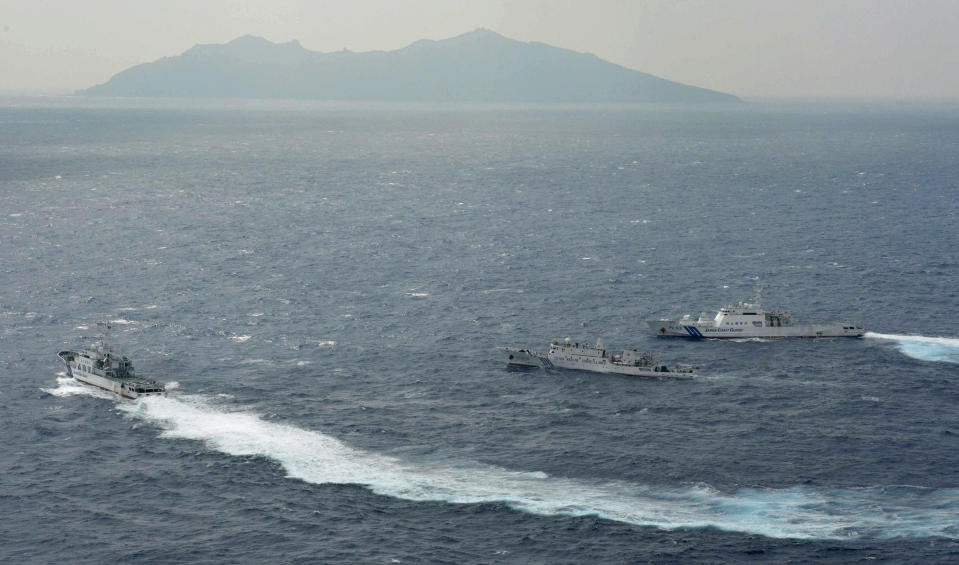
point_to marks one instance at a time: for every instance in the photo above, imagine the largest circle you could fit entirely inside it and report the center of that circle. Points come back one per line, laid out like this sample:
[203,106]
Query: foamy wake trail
[68,386]
[942,349]
[792,513]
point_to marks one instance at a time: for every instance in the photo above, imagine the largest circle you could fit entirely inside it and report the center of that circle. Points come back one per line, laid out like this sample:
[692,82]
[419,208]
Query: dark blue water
[324,288]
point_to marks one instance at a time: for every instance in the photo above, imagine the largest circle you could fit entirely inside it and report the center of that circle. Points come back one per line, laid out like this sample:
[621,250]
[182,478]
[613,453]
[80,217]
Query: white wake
[318,458]
[68,386]
[940,349]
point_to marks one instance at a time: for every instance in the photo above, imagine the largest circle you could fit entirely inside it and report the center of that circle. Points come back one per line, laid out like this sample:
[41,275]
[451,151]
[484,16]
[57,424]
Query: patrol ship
[101,367]
[595,358]
[748,320]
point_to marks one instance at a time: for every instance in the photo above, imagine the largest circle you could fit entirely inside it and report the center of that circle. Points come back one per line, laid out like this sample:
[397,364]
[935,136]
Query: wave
[68,386]
[940,349]
[798,513]
[794,513]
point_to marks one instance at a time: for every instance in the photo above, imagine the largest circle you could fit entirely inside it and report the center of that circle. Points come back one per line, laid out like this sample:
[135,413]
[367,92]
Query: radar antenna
[757,300]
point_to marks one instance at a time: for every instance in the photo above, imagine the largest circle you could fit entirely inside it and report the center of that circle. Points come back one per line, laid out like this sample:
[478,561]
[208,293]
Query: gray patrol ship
[101,367]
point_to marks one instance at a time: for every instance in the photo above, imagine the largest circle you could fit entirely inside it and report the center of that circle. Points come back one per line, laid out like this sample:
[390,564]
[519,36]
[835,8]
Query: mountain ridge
[478,66]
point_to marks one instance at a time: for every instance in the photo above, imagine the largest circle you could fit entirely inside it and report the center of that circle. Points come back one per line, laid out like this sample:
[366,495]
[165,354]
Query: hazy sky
[761,48]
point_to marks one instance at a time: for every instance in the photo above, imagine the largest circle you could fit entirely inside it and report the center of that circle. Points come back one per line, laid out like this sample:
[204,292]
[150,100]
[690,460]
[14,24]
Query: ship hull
[525,358]
[698,330]
[606,366]
[115,386]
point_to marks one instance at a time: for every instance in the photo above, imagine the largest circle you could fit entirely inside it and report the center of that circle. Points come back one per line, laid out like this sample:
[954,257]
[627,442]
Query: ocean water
[323,288]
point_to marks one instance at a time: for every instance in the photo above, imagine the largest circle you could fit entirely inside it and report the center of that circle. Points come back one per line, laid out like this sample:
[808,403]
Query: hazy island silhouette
[479,66]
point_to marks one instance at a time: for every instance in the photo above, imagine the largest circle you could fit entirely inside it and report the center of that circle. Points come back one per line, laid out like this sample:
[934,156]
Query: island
[481,66]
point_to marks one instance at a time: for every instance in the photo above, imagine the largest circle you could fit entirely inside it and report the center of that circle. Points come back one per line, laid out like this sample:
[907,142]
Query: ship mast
[105,334]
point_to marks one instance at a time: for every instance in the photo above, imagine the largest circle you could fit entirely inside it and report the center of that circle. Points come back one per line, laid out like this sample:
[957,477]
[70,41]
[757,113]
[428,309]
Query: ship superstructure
[100,366]
[747,320]
[567,354]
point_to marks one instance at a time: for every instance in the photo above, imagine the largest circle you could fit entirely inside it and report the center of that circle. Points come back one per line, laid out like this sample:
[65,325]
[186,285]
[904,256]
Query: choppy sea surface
[323,288]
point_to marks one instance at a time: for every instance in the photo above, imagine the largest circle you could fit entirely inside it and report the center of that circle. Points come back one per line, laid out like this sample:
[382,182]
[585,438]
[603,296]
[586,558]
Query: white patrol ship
[595,358]
[747,320]
[101,367]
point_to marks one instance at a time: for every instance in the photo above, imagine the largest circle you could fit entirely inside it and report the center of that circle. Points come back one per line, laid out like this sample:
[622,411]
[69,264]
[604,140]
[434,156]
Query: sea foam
[940,349]
[68,386]
[799,513]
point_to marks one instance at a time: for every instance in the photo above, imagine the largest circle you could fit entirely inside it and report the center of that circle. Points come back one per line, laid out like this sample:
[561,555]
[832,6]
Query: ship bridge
[750,314]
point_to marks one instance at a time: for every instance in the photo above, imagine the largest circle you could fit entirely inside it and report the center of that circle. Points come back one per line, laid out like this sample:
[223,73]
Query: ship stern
[659,327]
[67,357]
[521,358]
